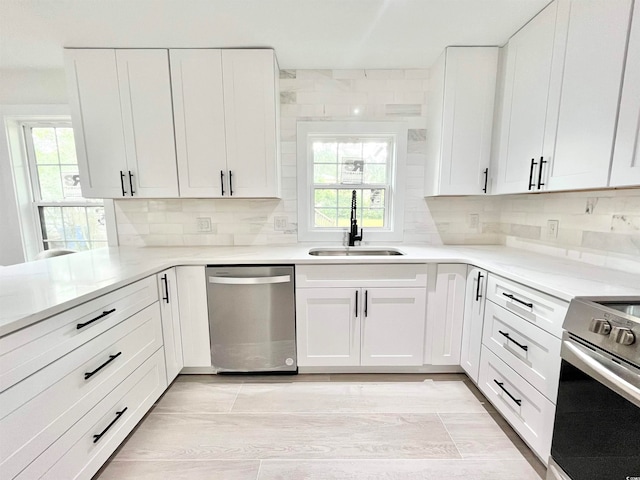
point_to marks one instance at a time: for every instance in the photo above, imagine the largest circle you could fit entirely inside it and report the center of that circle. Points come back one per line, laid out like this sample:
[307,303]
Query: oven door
[596,434]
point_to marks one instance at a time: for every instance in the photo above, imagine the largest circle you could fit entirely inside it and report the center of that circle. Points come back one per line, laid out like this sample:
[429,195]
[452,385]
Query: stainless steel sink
[344,252]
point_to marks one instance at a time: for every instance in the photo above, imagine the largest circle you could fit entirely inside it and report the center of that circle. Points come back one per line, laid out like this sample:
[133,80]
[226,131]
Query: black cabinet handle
[511,297]
[88,375]
[356,303]
[533,164]
[102,315]
[542,162]
[506,335]
[501,385]
[166,288]
[118,415]
[230,183]
[478,296]
[222,182]
[366,302]
[124,193]
[486,179]
[131,182]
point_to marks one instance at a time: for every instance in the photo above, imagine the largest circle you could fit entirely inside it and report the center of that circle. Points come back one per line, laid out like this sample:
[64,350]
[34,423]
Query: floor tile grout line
[235,399]
[450,436]
[259,468]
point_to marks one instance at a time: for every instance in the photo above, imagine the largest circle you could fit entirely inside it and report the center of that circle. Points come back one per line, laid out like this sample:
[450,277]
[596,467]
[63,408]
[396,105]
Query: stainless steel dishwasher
[252,318]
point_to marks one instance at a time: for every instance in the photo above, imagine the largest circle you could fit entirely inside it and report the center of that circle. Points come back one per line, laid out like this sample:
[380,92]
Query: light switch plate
[552,228]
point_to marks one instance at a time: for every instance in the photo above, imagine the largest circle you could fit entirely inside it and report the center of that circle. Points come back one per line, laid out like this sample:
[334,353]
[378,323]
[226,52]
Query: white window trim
[306,232]
[14,116]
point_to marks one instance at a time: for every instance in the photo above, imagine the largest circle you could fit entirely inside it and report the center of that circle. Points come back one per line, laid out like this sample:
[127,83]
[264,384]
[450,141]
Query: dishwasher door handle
[250,280]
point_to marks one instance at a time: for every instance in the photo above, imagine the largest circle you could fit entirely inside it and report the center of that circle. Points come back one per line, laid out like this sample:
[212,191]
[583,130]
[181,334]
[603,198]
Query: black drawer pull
[356,303]
[478,296]
[524,347]
[366,302]
[531,181]
[542,162]
[500,384]
[222,182]
[118,415]
[122,175]
[131,183]
[166,288]
[102,315]
[88,375]
[230,183]
[486,179]
[511,297]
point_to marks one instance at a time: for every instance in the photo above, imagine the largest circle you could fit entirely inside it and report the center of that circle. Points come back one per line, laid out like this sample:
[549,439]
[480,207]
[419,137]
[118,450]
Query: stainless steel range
[596,435]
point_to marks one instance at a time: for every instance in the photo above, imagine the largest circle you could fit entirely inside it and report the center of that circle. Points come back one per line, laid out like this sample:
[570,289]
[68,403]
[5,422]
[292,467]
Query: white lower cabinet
[392,326]
[533,353]
[524,407]
[474,307]
[328,327]
[194,316]
[364,318]
[445,315]
[170,313]
[83,449]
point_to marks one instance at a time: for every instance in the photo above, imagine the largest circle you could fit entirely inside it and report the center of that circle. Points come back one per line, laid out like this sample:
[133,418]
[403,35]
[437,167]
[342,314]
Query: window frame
[306,187]
[34,180]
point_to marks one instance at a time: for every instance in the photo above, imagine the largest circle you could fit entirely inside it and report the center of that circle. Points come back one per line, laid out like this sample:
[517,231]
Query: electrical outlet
[552,228]
[280,224]
[473,221]
[204,224]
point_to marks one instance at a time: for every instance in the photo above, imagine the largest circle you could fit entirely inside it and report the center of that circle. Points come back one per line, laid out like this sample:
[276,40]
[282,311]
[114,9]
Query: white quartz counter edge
[33,291]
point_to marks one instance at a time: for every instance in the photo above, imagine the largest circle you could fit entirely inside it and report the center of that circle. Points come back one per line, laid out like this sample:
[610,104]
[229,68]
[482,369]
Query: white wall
[20,89]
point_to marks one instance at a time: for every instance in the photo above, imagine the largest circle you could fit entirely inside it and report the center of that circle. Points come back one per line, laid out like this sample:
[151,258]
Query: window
[339,160]
[65,218]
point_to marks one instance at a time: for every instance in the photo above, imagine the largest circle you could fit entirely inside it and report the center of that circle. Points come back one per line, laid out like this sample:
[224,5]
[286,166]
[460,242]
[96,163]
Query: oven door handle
[607,372]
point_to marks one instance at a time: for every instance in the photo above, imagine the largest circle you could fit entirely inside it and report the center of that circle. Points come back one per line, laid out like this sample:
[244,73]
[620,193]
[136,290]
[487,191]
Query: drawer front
[38,410]
[532,418]
[529,350]
[75,455]
[28,350]
[361,276]
[543,310]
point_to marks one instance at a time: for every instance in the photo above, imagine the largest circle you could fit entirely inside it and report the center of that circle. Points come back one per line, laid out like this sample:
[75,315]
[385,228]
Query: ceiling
[305,33]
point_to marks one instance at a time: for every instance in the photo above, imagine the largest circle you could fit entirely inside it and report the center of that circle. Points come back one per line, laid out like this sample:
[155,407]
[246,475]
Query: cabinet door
[469,94]
[196,82]
[147,116]
[94,98]
[473,320]
[328,326]
[625,169]
[251,102]
[529,56]
[194,316]
[171,332]
[593,66]
[446,314]
[392,328]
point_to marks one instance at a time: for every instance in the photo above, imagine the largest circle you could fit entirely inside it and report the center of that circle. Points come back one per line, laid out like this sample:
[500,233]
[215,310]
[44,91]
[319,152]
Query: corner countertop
[33,291]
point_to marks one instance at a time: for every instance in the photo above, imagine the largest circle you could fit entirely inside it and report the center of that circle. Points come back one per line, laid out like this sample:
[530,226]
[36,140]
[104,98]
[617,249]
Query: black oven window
[596,435]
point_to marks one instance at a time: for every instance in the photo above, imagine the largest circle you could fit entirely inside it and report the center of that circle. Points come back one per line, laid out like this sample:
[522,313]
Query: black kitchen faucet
[353,232]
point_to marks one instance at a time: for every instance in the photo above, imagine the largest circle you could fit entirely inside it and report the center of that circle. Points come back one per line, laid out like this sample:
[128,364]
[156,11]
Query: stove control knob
[600,326]
[623,336]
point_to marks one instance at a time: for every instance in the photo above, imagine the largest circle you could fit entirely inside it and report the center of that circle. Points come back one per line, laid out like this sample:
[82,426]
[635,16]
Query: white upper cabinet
[625,169]
[596,37]
[121,109]
[251,109]
[527,76]
[94,98]
[147,115]
[226,117]
[461,102]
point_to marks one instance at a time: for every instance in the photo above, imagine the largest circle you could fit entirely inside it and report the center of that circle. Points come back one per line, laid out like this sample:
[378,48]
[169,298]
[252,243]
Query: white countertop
[32,291]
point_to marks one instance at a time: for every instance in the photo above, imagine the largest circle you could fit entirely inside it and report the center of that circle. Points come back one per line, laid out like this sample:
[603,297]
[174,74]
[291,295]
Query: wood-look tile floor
[428,427]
